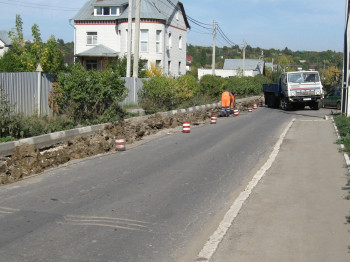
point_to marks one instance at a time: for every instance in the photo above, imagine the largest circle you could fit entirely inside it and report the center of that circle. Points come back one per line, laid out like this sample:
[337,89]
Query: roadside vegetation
[343,124]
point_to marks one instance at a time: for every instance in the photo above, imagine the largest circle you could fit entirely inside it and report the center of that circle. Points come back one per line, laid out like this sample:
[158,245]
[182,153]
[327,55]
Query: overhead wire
[41,6]
[223,35]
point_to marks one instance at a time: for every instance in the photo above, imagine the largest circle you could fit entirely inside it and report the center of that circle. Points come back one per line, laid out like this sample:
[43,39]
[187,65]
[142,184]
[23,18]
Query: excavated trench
[27,160]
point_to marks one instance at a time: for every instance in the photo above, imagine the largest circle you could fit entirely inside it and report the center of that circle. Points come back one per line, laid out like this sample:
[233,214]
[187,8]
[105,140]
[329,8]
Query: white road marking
[213,242]
[112,222]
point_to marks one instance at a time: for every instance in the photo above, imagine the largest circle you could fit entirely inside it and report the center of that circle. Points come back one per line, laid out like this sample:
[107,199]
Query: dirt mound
[27,159]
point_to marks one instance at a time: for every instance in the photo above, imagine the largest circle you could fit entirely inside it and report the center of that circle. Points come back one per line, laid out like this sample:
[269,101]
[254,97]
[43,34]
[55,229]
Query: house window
[106,10]
[179,68]
[158,41]
[91,64]
[170,41]
[91,38]
[177,15]
[115,11]
[98,11]
[158,63]
[180,42]
[144,40]
[169,67]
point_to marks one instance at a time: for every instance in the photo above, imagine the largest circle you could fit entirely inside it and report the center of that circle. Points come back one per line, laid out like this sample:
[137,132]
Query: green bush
[88,94]
[186,88]
[246,86]
[161,93]
[9,120]
[212,86]
[157,94]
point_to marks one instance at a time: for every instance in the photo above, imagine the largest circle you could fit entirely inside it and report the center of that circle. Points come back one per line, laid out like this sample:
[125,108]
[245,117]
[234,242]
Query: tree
[25,56]
[154,70]
[52,57]
[331,77]
[118,65]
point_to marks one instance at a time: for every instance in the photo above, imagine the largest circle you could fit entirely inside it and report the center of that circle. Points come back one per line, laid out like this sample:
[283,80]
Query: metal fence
[134,85]
[26,89]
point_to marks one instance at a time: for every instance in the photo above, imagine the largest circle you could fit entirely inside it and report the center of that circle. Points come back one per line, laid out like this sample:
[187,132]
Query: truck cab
[300,89]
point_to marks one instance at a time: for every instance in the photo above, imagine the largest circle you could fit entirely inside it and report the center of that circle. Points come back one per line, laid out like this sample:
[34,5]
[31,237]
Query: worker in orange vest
[225,103]
[233,99]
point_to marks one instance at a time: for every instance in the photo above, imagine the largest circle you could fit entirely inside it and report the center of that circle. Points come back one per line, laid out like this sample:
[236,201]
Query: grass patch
[343,124]
[6,139]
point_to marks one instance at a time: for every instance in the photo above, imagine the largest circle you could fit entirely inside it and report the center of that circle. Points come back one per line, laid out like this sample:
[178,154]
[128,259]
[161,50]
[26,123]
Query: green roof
[98,51]
[4,37]
[155,9]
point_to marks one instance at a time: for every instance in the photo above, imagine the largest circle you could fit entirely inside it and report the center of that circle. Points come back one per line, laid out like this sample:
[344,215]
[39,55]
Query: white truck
[295,90]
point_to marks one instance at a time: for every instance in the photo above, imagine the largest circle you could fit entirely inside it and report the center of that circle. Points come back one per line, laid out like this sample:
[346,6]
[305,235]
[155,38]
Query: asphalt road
[158,201]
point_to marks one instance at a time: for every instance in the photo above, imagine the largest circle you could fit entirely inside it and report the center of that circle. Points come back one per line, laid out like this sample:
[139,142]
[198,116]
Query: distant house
[5,42]
[189,60]
[234,67]
[101,32]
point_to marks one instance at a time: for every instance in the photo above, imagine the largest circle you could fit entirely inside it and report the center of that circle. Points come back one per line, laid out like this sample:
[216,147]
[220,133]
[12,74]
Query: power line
[201,24]
[199,32]
[36,6]
[225,37]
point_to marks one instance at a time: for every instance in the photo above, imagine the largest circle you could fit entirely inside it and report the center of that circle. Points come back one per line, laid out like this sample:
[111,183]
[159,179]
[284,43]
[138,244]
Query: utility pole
[137,40]
[214,47]
[244,45]
[345,90]
[129,47]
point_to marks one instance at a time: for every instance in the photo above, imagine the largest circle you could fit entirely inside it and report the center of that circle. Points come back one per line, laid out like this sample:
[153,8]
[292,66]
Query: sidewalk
[297,211]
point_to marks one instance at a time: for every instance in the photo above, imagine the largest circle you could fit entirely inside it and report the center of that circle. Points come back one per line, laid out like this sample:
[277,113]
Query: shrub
[86,95]
[212,86]
[9,120]
[246,86]
[186,88]
[157,94]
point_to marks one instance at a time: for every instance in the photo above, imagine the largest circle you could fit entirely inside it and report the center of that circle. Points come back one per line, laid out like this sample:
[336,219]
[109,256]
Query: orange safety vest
[233,97]
[225,99]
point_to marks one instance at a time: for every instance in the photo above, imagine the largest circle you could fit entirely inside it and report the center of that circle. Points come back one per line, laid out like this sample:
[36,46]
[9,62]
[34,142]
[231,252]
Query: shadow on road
[310,113]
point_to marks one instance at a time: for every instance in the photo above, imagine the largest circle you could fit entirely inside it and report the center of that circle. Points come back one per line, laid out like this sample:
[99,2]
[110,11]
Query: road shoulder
[297,211]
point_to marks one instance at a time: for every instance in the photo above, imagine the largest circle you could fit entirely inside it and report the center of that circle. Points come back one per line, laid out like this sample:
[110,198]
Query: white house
[5,42]
[101,32]
[234,67]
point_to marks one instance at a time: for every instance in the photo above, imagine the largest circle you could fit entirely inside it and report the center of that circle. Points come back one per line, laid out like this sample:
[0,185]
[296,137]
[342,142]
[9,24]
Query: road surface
[158,201]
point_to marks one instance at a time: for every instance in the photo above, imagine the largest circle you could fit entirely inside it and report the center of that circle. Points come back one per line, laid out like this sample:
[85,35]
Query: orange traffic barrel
[255,106]
[236,112]
[250,109]
[213,120]
[186,127]
[120,143]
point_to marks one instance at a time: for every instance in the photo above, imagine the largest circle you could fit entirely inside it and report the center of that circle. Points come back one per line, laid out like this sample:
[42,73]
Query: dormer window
[106,11]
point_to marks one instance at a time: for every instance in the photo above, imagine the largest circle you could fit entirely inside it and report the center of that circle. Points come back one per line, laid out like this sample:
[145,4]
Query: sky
[311,25]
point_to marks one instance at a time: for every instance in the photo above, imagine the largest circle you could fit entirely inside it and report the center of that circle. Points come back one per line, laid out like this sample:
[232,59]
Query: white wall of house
[177,53]
[106,35]
[3,48]
[224,73]
[115,37]
[151,55]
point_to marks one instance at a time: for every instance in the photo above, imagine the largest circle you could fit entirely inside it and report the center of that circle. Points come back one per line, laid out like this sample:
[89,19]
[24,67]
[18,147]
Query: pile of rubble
[27,160]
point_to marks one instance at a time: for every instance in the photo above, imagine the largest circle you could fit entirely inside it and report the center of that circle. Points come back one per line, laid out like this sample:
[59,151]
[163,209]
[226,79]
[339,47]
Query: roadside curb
[48,140]
[346,156]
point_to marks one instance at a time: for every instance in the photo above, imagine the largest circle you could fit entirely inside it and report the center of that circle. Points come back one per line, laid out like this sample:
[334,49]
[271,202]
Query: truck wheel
[285,104]
[315,106]
[338,106]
